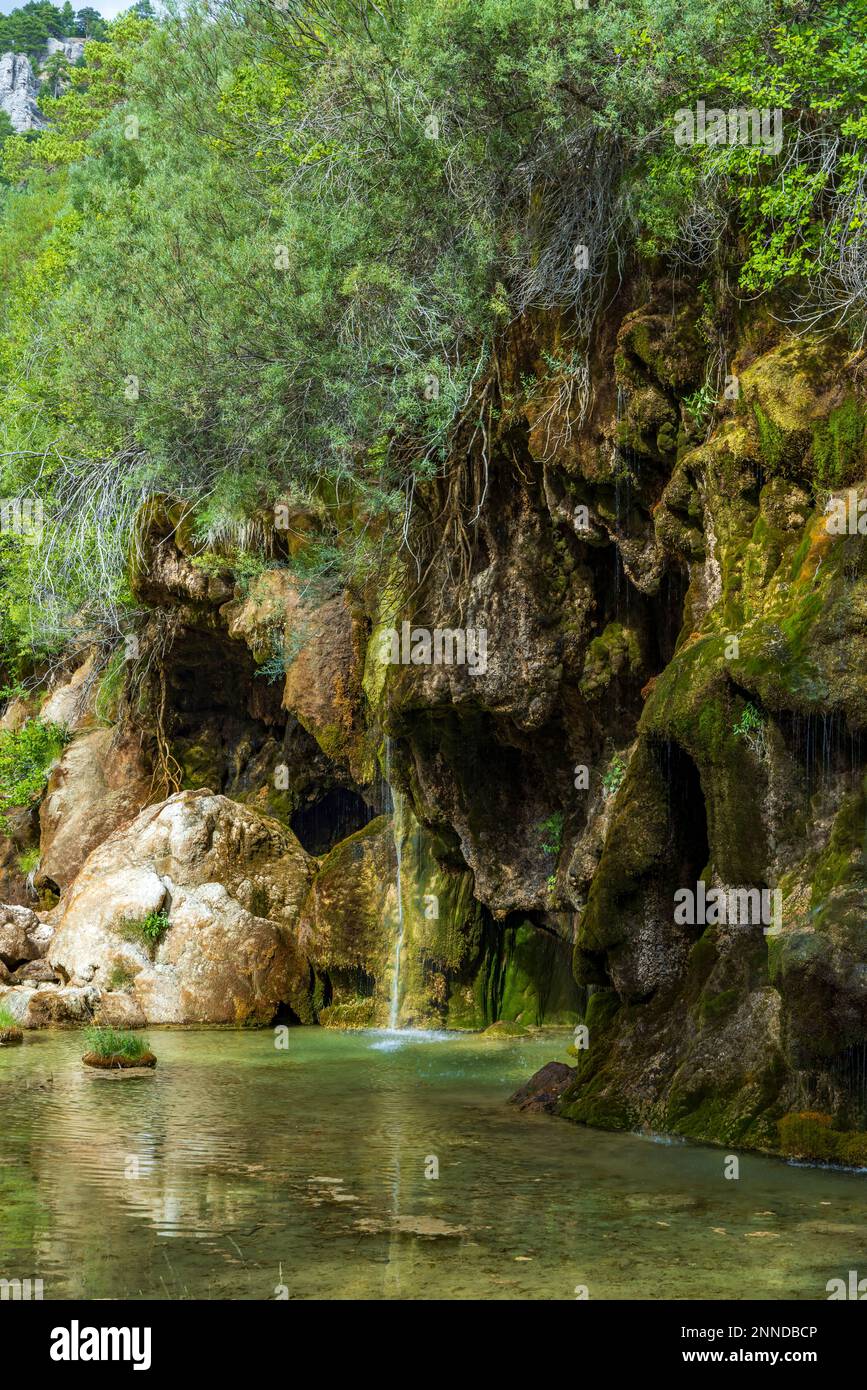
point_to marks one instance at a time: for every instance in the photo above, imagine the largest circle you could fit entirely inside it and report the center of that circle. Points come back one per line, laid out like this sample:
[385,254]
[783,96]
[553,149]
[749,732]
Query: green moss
[357,1013]
[771,438]
[807,1134]
[715,1006]
[838,445]
[505,1029]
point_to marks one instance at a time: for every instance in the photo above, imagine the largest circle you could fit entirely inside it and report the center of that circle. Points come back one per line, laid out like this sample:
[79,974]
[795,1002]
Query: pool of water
[242,1170]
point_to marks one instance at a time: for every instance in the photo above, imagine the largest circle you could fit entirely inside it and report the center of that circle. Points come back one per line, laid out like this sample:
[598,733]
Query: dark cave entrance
[320,824]
[687,815]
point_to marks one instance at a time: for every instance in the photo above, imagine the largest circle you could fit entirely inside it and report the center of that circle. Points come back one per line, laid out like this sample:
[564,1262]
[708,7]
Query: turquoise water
[237,1170]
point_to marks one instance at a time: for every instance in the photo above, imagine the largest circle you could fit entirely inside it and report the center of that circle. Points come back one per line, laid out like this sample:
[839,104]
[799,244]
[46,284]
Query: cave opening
[687,813]
[320,824]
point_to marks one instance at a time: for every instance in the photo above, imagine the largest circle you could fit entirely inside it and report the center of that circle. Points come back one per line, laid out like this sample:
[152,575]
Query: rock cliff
[331,825]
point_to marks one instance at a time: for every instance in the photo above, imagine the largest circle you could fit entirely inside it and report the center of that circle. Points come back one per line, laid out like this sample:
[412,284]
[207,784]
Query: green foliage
[7,1020]
[284,273]
[29,860]
[700,405]
[274,667]
[26,756]
[751,728]
[613,775]
[552,833]
[751,721]
[146,932]
[111,1042]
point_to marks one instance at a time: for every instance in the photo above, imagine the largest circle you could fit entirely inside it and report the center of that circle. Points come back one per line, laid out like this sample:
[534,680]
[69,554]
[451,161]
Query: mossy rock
[503,1028]
[359,1013]
[809,1135]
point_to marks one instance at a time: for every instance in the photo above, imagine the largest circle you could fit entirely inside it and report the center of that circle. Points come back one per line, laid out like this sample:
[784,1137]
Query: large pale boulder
[23,935]
[47,1006]
[100,784]
[230,882]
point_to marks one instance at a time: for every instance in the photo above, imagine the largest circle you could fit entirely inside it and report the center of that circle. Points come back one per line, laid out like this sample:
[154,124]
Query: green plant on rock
[699,405]
[146,932]
[29,860]
[273,668]
[751,728]
[26,757]
[119,978]
[111,1042]
[552,832]
[613,776]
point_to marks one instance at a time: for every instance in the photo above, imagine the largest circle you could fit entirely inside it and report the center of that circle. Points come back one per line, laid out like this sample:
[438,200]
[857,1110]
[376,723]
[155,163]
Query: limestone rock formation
[100,784]
[221,887]
[19,90]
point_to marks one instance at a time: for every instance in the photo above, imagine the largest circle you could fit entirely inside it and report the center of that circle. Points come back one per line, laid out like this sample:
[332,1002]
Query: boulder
[69,703]
[23,935]
[119,1010]
[35,972]
[544,1088]
[48,1005]
[229,883]
[99,786]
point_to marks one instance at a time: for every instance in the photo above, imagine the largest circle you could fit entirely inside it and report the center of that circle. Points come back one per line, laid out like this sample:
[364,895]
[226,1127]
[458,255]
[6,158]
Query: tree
[90,23]
[57,73]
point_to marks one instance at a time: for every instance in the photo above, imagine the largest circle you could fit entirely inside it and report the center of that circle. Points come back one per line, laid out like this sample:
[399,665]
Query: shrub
[807,1134]
[26,757]
[145,931]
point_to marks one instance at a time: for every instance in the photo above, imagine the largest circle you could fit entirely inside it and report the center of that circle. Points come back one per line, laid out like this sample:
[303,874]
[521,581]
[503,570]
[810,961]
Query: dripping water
[397,805]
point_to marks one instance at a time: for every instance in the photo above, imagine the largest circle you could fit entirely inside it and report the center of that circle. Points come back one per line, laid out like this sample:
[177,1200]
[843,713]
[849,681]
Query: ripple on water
[368,1171]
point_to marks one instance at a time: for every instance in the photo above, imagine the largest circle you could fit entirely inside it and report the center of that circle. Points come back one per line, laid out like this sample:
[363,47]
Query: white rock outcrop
[19,91]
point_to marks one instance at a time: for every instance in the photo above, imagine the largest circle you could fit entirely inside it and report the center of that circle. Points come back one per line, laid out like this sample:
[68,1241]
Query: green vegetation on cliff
[269,252]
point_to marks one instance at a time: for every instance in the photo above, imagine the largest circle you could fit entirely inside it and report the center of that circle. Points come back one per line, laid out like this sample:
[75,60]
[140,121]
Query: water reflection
[236,1168]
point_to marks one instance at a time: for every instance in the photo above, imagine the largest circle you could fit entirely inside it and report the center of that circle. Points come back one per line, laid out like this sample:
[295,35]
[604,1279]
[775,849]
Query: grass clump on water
[110,1042]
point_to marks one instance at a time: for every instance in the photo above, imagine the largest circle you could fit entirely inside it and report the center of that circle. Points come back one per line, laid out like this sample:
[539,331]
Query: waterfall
[398,847]
[397,821]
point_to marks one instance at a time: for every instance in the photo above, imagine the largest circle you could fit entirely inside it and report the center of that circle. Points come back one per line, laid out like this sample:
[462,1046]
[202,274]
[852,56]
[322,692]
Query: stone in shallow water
[431,1226]
[544,1088]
